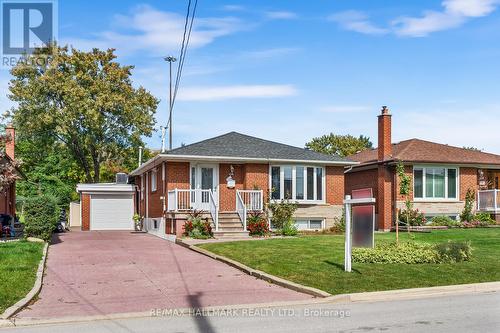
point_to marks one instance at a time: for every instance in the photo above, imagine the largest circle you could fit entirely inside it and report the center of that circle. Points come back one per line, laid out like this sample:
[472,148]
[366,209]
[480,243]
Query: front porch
[488,201]
[185,201]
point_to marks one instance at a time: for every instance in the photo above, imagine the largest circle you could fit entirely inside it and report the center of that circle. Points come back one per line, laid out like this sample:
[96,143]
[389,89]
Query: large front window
[435,183]
[301,183]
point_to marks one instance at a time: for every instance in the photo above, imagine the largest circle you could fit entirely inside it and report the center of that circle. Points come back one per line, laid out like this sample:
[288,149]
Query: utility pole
[170,60]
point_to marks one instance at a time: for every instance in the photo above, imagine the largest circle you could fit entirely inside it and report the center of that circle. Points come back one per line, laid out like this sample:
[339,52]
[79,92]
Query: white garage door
[111,212]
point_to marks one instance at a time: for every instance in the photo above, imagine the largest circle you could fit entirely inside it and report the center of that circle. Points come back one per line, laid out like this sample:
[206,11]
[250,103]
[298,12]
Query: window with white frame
[153,181]
[435,183]
[297,182]
[308,224]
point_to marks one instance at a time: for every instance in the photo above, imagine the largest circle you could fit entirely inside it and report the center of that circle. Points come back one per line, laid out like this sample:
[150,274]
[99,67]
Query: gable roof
[421,151]
[239,147]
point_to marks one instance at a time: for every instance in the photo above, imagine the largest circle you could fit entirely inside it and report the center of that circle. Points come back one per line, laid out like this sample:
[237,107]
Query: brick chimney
[11,142]
[384,134]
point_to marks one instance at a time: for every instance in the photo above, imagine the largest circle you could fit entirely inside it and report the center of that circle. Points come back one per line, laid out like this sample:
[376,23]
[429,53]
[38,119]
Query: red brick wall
[335,185]
[385,198]
[257,177]
[227,196]
[360,180]
[85,207]
[8,200]
[155,203]
[468,180]
[384,137]
[178,175]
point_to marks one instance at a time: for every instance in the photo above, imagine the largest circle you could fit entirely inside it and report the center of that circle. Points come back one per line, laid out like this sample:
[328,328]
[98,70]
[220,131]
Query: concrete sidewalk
[101,273]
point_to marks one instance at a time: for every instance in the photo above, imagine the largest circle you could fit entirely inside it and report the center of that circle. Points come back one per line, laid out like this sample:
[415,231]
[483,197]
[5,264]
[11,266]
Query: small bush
[415,217]
[257,224]
[484,217]
[467,214]
[289,229]
[40,216]
[414,253]
[445,221]
[391,253]
[451,252]
[338,224]
[281,212]
[196,227]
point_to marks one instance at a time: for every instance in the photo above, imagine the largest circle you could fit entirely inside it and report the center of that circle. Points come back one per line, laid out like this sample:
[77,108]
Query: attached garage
[107,206]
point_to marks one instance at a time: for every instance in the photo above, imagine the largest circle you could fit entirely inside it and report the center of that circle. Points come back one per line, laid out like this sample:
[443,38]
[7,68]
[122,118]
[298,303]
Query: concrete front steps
[230,226]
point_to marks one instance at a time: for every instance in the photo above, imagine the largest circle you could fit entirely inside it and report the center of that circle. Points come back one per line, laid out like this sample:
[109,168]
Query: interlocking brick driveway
[104,272]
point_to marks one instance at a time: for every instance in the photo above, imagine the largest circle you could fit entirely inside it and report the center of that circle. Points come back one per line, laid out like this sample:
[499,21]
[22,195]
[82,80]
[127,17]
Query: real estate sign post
[348,202]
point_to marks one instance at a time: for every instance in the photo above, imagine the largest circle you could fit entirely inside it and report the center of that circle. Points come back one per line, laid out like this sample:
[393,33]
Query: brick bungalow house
[229,175]
[8,195]
[441,176]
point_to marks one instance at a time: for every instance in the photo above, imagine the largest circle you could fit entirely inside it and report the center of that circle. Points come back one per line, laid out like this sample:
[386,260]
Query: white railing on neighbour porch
[180,200]
[241,209]
[252,199]
[488,201]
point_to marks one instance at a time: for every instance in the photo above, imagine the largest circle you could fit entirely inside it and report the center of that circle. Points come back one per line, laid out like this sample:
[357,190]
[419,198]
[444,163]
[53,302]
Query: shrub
[338,224]
[414,216]
[281,212]
[414,253]
[257,224]
[392,253]
[451,252]
[197,227]
[289,229]
[444,221]
[484,217]
[40,216]
[467,215]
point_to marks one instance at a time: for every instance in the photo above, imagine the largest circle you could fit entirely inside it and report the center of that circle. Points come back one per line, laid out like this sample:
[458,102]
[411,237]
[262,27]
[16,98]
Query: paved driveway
[98,272]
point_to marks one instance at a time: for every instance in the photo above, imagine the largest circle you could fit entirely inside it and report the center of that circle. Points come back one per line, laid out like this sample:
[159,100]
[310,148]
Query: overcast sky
[292,70]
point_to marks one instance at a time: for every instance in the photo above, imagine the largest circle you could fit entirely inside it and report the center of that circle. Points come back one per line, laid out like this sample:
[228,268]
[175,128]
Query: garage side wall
[85,207]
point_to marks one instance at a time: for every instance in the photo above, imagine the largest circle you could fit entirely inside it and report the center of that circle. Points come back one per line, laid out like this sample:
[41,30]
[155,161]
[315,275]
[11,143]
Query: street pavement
[474,312]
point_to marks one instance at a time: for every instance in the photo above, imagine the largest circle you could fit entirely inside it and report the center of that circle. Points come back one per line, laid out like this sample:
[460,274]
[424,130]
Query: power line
[188,27]
[182,58]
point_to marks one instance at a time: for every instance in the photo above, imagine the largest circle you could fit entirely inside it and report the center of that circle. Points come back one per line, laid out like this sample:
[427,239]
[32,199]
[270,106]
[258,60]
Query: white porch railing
[180,200]
[488,201]
[248,200]
[241,209]
[252,199]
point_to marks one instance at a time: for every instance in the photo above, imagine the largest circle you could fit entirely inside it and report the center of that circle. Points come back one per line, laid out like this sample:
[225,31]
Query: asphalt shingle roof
[415,150]
[235,144]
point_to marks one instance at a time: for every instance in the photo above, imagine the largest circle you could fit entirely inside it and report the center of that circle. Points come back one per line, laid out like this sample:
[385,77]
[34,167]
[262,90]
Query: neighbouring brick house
[8,194]
[231,174]
[440,174]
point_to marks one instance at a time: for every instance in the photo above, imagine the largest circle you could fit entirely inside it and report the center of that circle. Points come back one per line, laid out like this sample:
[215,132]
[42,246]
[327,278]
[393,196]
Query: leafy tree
[342,145]
[404,189]
[82,104]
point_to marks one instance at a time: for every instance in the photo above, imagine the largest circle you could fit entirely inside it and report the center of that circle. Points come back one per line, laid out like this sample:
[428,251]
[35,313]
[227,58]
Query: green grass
[18,265]
[317,261]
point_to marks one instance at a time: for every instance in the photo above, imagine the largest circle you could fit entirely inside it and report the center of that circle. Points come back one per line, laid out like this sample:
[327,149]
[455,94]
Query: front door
[204,177]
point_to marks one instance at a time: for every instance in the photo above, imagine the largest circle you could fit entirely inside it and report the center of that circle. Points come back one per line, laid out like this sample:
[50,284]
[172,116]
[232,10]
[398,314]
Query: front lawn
[318,261]
[18,265]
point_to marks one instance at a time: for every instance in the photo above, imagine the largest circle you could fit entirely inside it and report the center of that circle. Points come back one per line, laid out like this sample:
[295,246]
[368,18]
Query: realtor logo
[27,25]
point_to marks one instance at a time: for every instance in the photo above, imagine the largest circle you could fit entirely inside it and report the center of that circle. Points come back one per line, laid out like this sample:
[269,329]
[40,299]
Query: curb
[33,292]
[258,274]
[391,295]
